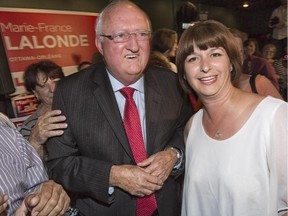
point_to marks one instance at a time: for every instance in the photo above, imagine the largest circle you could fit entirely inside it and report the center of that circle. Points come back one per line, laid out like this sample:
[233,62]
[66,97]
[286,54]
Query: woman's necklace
[216,131]
[218,134]
[226,120]
[225,125]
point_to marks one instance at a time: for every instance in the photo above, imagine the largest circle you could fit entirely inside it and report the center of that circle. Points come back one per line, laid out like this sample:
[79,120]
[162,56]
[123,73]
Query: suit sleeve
[177,140]
[77,173]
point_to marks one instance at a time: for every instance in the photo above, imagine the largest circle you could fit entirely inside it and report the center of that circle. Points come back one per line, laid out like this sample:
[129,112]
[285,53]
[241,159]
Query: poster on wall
[31,35]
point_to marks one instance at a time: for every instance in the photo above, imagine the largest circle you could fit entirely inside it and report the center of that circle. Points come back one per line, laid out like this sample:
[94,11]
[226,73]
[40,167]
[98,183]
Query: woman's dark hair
[48,68]
[206,34]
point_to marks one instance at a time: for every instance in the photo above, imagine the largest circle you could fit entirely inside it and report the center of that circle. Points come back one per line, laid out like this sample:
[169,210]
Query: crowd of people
[270,59]
[155,127]
[165,41]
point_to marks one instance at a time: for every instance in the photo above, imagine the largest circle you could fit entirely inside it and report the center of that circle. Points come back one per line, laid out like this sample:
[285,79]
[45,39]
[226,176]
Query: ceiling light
[245,5]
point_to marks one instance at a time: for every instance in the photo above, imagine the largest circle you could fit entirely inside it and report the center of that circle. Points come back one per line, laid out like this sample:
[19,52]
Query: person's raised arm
[50,199]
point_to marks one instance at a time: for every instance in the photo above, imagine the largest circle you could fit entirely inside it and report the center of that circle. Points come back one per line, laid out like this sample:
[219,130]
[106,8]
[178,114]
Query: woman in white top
[236,145]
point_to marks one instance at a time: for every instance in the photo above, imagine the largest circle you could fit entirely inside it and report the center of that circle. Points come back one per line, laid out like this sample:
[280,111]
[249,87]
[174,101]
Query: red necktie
[146,206]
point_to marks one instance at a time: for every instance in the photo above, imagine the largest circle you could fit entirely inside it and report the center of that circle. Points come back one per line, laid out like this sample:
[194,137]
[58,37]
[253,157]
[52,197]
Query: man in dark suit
[93,159]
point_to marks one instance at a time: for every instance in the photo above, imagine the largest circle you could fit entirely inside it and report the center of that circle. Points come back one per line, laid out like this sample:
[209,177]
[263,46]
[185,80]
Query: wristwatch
[179,157]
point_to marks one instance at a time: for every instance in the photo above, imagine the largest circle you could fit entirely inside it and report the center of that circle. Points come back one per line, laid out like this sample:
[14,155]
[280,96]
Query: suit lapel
[105,96]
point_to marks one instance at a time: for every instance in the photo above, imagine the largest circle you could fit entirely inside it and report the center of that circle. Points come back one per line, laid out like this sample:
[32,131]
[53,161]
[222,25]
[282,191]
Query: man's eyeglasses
[125,36]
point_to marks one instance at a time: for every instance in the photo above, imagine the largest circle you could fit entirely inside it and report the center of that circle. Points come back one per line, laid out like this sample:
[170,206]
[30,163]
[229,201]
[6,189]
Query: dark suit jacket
[95,139]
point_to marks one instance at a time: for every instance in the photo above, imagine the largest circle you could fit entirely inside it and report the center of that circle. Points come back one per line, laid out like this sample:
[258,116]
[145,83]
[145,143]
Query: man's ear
[98,45]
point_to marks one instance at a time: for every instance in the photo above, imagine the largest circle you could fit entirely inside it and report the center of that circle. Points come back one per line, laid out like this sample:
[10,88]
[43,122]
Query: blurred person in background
[251,47]
[254,65]
[278,23]
[255,83]
[40,79]
[165,41]
[158,59]
[268,52]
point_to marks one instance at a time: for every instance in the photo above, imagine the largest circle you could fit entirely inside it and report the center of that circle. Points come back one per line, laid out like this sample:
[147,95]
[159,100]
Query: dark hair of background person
[187,13]
[238,33]
[202,38]
[163,40]
[83,65]
[48,68]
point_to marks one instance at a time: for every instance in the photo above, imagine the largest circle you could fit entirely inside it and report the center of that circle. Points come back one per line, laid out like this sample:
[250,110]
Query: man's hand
[49,124]
[135,180]
[160,164]
[3,203]
[49,200]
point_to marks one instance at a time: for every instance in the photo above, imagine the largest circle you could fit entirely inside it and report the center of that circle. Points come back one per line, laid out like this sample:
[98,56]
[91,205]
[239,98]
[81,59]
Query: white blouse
[245,174]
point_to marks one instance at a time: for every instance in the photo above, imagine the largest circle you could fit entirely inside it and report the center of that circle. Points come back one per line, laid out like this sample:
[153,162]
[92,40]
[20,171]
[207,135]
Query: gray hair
[100,19]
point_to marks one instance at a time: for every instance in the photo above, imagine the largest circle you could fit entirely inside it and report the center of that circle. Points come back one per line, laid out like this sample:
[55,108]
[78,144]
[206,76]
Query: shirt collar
[116,85]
